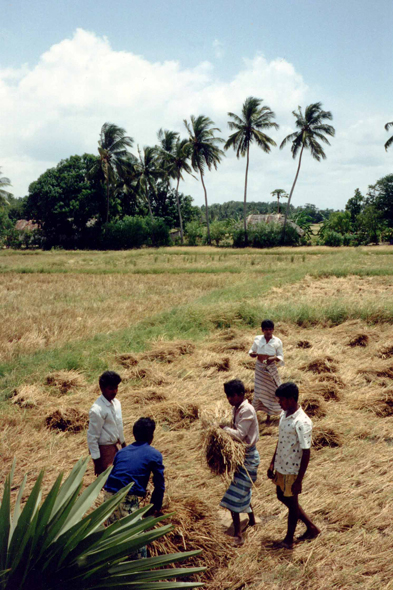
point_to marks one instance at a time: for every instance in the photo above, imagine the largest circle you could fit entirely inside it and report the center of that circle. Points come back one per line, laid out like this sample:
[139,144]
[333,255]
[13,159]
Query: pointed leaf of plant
[17,508]
[5,524]
[71,483]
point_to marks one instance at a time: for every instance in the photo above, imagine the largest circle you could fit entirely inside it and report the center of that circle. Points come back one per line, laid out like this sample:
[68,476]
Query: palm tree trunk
[207,209]
[290,194]
[107,200]
[179,211]
[148,201]
[278,204]
[245,199]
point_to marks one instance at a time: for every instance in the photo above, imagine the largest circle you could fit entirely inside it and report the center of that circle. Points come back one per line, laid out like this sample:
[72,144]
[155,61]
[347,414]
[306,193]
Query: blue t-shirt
[136,463]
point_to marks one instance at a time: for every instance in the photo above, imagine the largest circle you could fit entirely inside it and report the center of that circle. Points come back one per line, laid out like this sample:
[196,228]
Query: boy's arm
[253,350]
[120,426]
[297,484]
[96,423]
[270,471]
[157,496]
[245,422]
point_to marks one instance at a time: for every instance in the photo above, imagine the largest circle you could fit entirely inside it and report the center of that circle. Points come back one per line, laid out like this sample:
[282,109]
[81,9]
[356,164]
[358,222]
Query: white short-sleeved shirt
[105,425]
[294,436]
[272,348]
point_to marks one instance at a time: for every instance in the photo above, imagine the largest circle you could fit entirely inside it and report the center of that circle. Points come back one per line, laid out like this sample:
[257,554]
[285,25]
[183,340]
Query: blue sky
[66,67]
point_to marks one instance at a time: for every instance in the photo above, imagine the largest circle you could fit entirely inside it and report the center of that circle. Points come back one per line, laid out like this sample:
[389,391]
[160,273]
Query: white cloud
[56,109]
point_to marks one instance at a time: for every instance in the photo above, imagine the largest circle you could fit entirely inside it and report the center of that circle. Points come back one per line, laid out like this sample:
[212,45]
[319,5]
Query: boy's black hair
[109,379]
[143,430]
[267,325]
[288,390]
[234,387]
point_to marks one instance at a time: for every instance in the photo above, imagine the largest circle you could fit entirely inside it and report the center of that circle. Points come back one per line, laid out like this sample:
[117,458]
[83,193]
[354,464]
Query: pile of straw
[326,390]
[196,527]
[147,396]
[69,420]
[381,404]
[239,345]
[386,352]
[146,375]
[223,365]
[303,344]
[223,454]
[174,415]
[64,381]
[378,370]
[321,365]
[248,364]
[359,340]
[27,396]
[168,352]
[329,378]
[127,359]
[325,437]
[314,406]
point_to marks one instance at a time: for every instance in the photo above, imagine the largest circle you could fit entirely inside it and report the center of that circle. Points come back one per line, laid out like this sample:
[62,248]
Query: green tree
[175,164]
[279,193]
[355,205]
[114,158]
[310,128]
[4,194]
[63,200]
[380,195]
[249,129]
[62,543]
[390,140]
[147,170]
[204,151]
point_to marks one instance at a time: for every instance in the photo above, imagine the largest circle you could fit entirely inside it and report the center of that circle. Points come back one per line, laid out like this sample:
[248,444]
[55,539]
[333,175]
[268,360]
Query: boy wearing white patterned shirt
[290,461]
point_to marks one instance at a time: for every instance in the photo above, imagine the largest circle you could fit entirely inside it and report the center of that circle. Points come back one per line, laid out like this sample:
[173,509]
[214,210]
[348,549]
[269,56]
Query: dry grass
[347,489]
[65,381]
[221,365]
[168,352]
[223,454]
[69,420]
[174,415]
[127,360]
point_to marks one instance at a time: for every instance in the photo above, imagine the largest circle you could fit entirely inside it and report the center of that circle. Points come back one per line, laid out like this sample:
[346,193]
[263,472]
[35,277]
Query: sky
[67,67]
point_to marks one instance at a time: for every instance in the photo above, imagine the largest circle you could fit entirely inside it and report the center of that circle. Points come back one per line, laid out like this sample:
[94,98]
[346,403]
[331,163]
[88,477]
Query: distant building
[272,218]
[26,225]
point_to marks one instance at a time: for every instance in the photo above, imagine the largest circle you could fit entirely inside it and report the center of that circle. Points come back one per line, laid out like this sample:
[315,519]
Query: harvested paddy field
[183,344]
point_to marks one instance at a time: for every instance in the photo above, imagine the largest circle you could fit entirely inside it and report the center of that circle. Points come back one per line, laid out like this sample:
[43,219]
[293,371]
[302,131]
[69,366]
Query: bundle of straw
[223,454]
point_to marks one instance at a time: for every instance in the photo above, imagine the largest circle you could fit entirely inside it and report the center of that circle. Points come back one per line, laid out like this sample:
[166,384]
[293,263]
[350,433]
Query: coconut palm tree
[279,193]
[4,195]
[146,171]
[61,543]
[114,158]
[248,129]
[390,140]
[204,151]
[310,129]
[175,155]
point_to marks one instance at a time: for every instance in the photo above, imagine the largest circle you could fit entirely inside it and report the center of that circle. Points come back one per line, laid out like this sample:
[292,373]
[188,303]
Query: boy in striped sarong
[244,429]
[267,349]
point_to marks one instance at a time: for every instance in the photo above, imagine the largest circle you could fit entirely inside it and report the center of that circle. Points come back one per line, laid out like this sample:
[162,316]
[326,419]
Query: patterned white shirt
[294,435]
[245,424]
[272,348]
[105,425]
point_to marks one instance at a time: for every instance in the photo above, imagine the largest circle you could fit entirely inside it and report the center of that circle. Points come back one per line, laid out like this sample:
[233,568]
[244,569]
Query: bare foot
[238,541]
[309,534]
[283,545]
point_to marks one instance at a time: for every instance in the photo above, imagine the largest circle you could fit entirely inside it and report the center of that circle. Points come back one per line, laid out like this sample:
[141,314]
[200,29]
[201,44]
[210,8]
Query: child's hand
[271,360]
[296,487]
[270,471]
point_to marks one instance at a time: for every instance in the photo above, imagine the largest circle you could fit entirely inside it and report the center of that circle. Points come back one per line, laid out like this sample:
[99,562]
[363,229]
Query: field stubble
[344,372]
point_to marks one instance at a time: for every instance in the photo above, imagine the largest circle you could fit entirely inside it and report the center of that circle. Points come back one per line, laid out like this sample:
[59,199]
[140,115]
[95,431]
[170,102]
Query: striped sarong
[237,498]
[266,382]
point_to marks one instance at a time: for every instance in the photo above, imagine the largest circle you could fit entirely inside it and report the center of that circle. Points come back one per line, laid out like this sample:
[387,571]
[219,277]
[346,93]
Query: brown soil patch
[321,365]
[64,381]
[70,420]
[168,352]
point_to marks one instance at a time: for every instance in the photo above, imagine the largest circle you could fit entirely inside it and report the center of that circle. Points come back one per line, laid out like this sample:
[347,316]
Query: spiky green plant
[61,543]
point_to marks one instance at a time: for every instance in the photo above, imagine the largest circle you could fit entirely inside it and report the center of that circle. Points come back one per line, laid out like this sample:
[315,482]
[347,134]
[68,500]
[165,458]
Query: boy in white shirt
[244,428]
[267,349]
[105,430]
[290,461]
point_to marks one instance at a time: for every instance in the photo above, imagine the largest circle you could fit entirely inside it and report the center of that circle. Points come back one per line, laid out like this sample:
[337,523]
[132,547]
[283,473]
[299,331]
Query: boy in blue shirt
[136,463]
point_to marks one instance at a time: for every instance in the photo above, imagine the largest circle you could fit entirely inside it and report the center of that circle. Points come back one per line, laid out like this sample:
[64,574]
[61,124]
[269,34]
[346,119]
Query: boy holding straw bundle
[290,461]
[244,429]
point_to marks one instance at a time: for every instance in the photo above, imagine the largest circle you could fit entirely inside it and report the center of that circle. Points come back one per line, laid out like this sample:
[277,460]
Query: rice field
[176,336]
